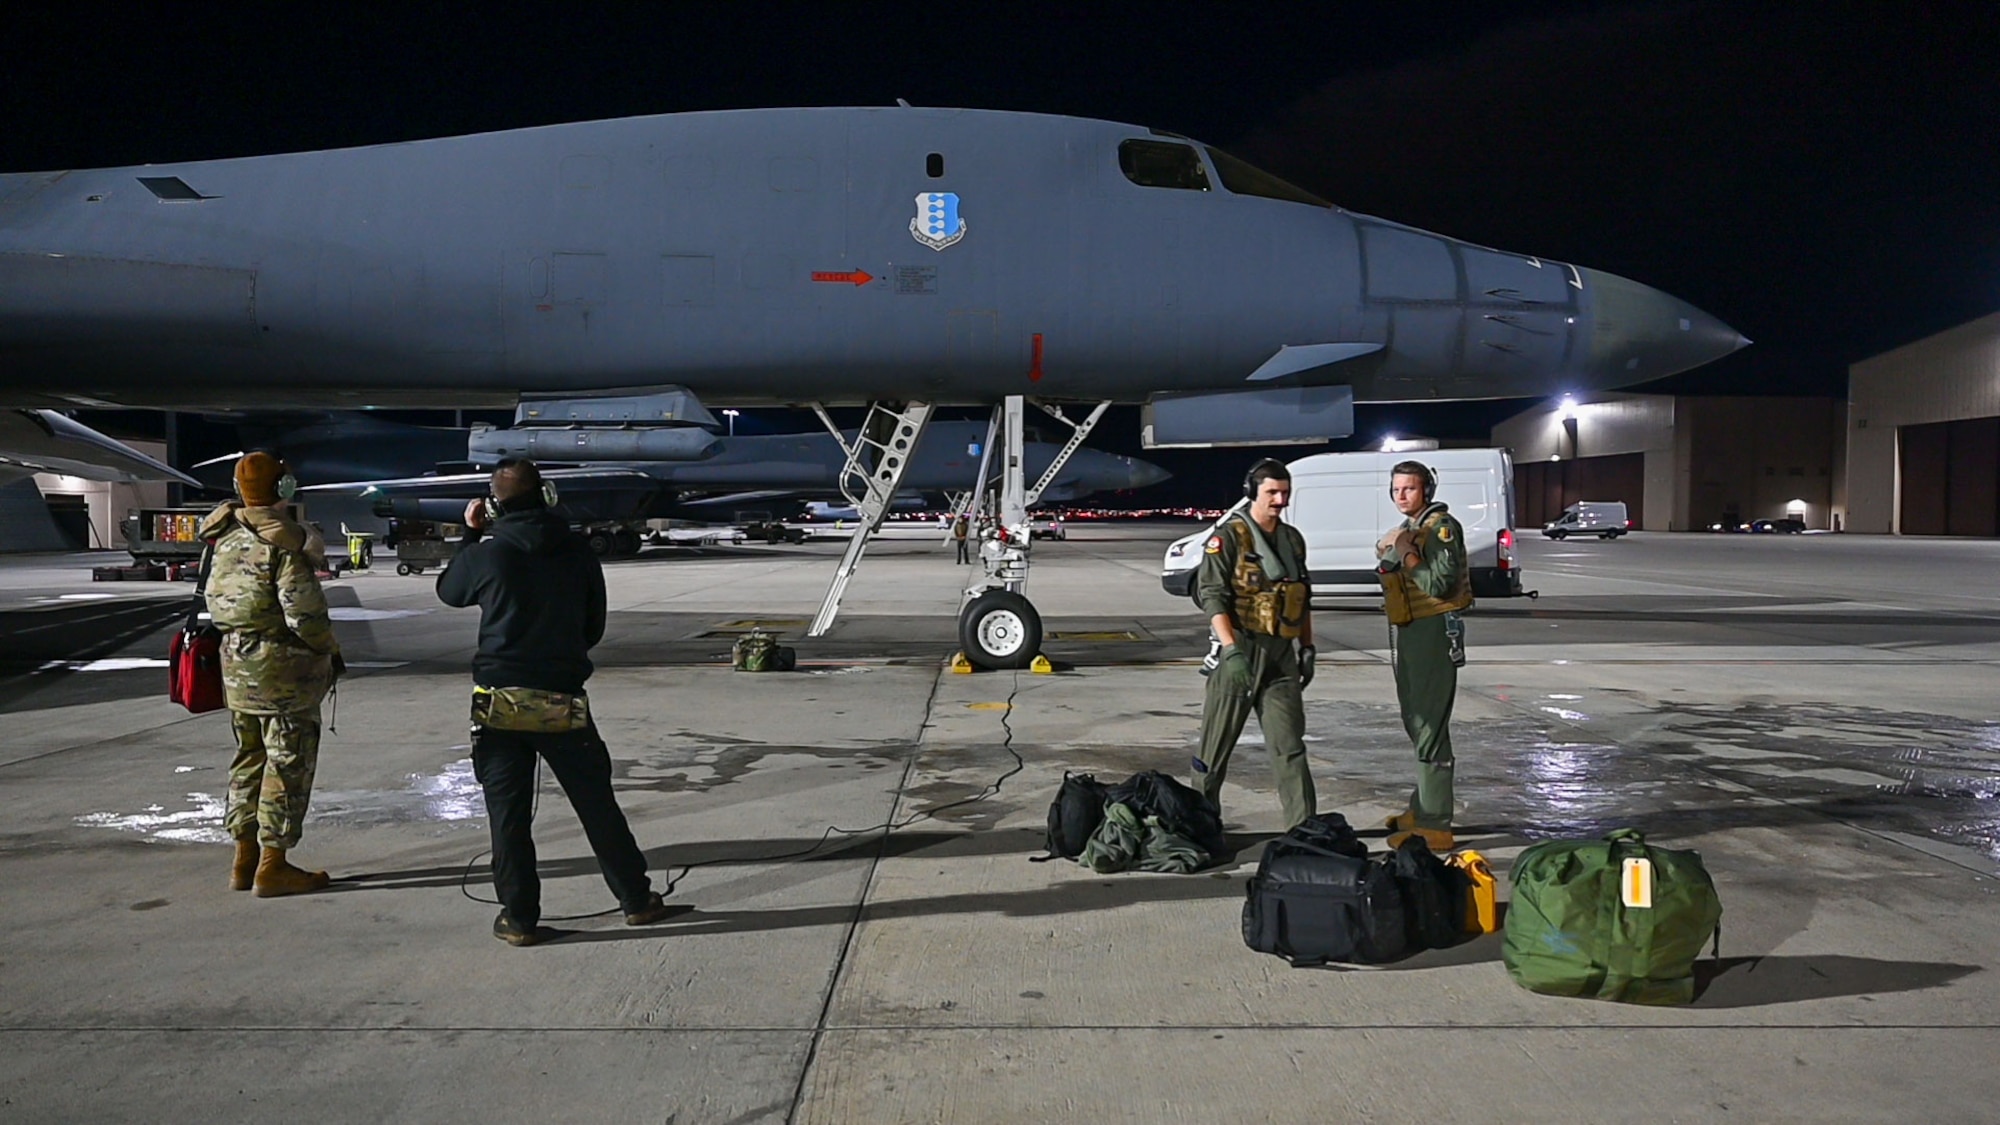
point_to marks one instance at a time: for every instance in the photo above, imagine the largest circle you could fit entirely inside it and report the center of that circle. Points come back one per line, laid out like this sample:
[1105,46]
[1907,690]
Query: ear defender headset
[286,486]
[1258,474]
[495,507]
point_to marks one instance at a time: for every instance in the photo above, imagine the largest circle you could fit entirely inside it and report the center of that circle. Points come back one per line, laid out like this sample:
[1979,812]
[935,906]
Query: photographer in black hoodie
[540,593]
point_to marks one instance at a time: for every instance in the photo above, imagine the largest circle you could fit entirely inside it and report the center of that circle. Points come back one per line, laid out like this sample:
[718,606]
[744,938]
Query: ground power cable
[672,881]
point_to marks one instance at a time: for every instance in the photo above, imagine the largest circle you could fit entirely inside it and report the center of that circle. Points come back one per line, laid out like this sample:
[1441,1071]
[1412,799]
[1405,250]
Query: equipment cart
[420,546]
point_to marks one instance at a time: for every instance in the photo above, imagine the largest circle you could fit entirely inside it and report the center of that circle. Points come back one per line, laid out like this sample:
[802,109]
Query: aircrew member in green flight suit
[1253,585]
[1425,584]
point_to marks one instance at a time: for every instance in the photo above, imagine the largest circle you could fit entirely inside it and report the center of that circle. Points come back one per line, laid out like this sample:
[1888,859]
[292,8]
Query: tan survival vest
[1405,601]
[1273,606]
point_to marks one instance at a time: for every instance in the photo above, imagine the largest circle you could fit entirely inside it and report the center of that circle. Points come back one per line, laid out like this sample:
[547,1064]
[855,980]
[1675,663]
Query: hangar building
[1923,435]
[1678,462]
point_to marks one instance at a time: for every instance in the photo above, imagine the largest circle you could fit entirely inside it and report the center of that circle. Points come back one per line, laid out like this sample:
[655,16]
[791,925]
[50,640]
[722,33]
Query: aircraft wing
[43,441]
[453,485]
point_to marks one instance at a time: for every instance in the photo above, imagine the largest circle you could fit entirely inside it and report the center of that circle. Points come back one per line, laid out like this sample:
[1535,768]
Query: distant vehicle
[1604,519]
[1785,526]
[1340,503]
[1046,527]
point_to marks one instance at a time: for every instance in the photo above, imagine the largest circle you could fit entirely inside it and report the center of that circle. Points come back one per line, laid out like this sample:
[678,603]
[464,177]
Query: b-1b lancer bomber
[905,258]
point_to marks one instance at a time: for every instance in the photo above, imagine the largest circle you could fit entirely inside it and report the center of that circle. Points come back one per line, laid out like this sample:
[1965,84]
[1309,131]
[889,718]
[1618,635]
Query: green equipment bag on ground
[758,651]
[1610,919]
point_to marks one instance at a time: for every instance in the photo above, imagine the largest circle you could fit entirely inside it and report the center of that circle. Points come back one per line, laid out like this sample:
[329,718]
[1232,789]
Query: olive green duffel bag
[1612,919]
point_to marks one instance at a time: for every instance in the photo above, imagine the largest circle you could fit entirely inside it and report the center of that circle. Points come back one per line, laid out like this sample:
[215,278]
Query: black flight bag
[1315,900]
[1074,815]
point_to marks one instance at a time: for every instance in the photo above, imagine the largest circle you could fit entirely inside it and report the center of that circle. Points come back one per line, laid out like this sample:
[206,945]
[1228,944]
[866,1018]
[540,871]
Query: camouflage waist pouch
[529,709]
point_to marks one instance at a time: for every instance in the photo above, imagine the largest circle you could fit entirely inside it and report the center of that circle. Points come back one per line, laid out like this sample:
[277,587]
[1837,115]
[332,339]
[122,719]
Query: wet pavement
[1809,712]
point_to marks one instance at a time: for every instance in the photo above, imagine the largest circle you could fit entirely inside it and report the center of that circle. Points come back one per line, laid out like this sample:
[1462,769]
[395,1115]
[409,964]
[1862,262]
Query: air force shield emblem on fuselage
[937,224]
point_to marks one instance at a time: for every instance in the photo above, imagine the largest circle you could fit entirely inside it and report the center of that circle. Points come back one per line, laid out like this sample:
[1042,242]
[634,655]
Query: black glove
[1306,654]
[339,666]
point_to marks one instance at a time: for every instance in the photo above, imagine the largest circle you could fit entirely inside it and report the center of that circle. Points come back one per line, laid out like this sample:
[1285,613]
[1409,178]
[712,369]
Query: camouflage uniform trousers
[270,781]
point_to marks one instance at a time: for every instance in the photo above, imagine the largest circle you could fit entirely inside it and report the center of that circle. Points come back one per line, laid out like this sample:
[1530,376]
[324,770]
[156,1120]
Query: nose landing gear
[998,627]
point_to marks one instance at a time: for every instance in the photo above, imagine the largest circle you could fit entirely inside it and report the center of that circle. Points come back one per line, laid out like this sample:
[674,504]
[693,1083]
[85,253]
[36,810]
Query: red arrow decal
[851,277]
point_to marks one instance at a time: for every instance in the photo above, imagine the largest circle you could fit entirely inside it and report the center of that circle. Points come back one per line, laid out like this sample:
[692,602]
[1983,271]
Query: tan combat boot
[276,877]
[1401,822]
[243,870]
[1438,839]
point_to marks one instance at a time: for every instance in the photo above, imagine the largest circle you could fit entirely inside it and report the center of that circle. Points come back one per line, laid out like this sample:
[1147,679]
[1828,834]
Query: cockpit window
[1162,164]
[1247,179]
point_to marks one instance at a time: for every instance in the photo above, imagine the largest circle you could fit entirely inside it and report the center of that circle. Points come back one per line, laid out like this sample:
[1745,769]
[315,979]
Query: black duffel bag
[1317,898]
[1434,895]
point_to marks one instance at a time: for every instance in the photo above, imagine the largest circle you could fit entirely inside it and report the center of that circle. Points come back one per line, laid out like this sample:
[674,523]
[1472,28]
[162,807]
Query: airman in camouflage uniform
[279,658]
[1425,583]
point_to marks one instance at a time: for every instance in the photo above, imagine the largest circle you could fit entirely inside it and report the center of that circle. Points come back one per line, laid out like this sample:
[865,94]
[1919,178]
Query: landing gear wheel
[625,541]
[403,569]
[599,543]
[1000,629]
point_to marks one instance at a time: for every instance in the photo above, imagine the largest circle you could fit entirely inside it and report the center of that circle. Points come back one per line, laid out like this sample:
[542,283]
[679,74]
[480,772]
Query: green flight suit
[1426,679]
[1265,678]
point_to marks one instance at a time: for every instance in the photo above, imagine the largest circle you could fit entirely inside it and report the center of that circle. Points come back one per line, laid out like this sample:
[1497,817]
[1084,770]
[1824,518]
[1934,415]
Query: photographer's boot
[243,869]
[276,877]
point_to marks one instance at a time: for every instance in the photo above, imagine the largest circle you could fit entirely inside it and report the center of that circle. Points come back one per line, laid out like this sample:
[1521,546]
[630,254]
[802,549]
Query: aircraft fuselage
[773,256]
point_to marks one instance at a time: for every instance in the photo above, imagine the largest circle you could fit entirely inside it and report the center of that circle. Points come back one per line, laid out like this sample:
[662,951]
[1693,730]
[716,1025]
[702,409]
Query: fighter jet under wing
[907,258]
[43,441]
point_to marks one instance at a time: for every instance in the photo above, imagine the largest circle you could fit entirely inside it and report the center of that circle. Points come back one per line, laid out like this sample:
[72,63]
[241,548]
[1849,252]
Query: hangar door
[1542,489]
[1951,477]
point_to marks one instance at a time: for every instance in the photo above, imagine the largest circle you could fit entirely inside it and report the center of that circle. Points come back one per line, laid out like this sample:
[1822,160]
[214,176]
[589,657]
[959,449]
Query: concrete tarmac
[1815,714]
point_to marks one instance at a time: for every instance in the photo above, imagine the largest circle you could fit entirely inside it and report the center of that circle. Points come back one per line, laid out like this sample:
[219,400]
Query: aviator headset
[1259,473]
[1424,471]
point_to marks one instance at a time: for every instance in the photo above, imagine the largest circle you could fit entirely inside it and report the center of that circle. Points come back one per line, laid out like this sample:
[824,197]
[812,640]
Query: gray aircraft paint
[682,249]
[947,459]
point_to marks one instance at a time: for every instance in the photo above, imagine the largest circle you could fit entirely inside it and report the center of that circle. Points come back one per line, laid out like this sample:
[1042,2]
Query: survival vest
[1263,604]
[1403,599]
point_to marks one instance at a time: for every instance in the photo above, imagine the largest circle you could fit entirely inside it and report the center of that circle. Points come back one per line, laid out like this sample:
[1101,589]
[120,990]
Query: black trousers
[504,763]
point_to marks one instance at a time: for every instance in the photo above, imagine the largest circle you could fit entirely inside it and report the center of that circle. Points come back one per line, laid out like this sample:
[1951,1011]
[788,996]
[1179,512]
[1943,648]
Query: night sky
[1823,176]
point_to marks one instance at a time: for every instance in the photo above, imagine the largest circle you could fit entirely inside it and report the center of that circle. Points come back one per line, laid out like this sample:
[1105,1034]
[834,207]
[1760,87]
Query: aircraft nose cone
[1142,473]
[1638,333]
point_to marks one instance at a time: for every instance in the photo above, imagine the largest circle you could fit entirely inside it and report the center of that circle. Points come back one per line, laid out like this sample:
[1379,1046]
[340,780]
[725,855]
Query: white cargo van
[1604,519]
[1340,503]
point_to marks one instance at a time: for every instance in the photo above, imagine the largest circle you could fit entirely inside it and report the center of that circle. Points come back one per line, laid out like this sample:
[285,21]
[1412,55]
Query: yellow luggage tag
[1635,882]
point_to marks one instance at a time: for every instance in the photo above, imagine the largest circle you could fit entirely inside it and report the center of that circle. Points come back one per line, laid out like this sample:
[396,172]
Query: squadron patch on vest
[1214,546]
[1444,533]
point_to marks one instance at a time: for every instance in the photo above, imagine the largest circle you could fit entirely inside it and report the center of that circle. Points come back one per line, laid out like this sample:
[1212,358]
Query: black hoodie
[541,598]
